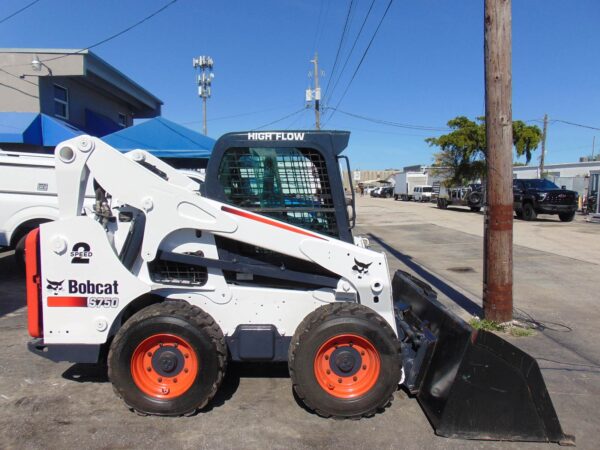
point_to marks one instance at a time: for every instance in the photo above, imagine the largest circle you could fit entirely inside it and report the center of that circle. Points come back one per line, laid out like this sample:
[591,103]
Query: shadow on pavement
[458,298]
[12,295]
[98,373]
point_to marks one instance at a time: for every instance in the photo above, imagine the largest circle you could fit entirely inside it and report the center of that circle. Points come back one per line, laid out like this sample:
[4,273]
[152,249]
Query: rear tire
[344,361]
[20,253]
[475,208]
[529,212]
[168,359]
[566,217]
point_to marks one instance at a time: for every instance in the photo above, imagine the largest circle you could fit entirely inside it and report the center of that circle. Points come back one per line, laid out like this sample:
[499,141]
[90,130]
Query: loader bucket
[471,384]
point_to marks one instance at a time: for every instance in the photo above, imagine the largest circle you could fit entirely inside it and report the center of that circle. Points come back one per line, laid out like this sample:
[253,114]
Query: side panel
[84,285]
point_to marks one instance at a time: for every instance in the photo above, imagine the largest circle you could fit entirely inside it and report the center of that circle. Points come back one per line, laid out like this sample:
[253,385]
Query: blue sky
[425,66]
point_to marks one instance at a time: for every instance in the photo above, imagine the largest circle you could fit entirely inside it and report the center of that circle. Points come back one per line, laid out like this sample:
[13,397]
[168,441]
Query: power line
[280,119]
[362,58]
[350,53]
[110,38]
[233,116]
[575,124]
[392,124]
[337,55]
[10,16]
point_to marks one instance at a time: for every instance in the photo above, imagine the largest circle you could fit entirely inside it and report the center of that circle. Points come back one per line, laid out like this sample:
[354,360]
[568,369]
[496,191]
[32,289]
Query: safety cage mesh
[288,184]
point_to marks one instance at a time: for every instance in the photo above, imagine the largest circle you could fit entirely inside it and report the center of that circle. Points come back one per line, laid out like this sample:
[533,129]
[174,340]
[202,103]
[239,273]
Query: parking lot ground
[62,405]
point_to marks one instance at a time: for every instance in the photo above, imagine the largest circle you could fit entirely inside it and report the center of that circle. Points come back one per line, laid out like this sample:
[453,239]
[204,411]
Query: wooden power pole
[543,145]
[317,93]
[498,228]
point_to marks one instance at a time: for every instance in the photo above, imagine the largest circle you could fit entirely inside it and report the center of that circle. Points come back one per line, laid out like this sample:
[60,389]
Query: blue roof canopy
[162,138]
[34,129]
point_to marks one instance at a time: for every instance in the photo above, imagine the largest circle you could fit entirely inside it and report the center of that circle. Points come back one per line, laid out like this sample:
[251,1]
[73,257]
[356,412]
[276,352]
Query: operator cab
[291,176]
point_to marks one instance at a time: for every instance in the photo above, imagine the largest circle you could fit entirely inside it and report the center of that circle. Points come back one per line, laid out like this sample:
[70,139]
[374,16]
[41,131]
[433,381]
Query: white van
[422,193]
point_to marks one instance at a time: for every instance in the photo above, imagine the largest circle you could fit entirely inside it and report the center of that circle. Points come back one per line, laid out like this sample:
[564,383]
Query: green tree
[463,150]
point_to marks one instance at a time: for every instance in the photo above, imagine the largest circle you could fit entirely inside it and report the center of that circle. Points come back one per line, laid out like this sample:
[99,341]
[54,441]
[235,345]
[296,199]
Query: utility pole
[543,145]
[498,227]
[593,146]
[205,64]
[315,93]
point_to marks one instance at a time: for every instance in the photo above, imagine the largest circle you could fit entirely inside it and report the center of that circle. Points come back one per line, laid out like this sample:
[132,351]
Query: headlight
[542,196]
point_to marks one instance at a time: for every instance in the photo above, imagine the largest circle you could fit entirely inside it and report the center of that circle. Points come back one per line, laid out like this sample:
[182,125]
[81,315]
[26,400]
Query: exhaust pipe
[470,383]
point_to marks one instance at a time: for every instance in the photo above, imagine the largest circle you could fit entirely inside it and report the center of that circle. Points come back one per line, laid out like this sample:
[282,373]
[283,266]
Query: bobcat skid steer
[166,282]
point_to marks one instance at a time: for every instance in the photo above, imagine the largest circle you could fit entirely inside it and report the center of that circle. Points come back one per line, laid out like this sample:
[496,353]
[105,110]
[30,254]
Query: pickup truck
[541,196]
[28,196]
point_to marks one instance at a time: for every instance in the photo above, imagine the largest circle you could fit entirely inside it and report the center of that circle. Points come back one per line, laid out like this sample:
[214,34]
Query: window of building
[61,102]
[123,120]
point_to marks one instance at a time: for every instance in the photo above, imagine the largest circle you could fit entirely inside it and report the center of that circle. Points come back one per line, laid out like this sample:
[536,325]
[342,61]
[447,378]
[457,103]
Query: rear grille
[560,198]
[168,272]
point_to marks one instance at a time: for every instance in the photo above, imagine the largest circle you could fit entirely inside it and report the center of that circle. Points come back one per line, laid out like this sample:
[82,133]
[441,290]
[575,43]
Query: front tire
[529,213]
[475,208]
[566,217]
[344,361]
[168,359]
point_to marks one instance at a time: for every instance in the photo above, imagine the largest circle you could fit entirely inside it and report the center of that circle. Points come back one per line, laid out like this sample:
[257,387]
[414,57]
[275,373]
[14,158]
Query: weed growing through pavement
[513,328]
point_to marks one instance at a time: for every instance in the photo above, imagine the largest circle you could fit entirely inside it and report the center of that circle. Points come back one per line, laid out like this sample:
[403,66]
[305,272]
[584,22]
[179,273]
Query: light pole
[204,80]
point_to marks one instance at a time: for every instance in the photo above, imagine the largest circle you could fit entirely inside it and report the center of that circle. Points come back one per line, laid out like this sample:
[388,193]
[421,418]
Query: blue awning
[34,129]
[162,138]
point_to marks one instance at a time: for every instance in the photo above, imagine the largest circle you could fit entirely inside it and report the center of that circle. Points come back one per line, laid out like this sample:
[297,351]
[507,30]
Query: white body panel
[174,212]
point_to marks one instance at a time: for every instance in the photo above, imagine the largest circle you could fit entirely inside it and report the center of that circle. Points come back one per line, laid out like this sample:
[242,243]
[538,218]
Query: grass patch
[484,324]
[520,332]
[513,328]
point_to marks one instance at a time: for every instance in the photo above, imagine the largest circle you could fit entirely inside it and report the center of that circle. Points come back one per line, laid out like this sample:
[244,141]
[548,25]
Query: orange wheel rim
[164,366]
[347,366]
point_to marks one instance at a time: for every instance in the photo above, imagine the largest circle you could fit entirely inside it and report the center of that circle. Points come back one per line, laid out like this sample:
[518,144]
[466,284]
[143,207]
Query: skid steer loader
[166,283]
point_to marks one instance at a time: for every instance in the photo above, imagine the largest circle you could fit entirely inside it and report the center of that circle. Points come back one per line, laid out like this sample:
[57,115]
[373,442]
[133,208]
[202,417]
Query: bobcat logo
[361,267]
[56,286]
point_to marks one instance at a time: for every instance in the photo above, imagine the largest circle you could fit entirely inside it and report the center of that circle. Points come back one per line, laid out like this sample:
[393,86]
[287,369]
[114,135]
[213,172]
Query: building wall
[366,176]
[558,170]
[19,90]
[81,97]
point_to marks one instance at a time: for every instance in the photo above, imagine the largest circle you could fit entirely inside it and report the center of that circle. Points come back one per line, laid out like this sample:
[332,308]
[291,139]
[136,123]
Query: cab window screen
[288,184]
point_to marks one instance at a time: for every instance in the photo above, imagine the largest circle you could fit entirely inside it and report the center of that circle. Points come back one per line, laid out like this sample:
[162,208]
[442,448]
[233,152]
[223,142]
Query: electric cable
[280,119]
[351,51]
[339,48]
[10,16]
[109,38]
[362,58]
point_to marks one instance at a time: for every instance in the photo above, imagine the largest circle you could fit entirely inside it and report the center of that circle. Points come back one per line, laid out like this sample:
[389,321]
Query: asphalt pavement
[62,405]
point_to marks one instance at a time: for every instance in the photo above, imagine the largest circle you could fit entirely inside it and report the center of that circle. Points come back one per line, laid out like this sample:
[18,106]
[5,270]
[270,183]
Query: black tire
[20,254]
[474,199]
[519,214]
[183,321]
[395,196]
[529,212]
[566,217]
[475,208]
[352,321]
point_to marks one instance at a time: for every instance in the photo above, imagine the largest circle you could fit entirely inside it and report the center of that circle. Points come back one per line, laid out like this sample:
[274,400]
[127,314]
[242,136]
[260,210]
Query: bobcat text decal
[101,295]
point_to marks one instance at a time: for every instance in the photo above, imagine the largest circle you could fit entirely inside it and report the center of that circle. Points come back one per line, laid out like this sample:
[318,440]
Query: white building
[563,170]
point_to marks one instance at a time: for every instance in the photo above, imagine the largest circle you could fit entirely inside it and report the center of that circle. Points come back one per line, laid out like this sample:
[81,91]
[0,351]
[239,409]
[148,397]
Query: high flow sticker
[269,136]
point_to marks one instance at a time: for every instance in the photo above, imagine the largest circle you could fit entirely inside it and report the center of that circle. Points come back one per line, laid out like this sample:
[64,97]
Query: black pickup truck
[541,196]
